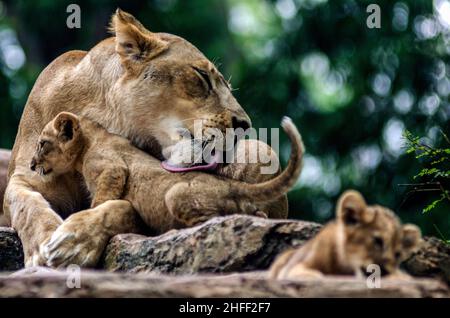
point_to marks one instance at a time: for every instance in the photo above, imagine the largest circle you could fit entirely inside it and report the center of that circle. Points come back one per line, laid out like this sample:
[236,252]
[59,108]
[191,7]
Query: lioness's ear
[67,125]
[411,237]
[134,43]
[352,209]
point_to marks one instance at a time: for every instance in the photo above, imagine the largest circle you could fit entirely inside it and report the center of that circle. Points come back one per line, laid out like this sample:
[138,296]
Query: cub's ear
[67,126]
[412,238]
[134,43]
[352,209]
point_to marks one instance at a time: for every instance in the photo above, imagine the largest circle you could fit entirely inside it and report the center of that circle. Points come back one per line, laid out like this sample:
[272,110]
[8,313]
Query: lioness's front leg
[82,238]
[31,216]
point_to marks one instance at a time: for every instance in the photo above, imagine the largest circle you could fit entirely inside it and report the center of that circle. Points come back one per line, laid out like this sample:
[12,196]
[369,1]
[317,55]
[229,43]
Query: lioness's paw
[67,248]
[74,242]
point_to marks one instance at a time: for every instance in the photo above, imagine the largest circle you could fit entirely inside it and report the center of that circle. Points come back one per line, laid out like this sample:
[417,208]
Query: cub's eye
[204,75]
[378,241]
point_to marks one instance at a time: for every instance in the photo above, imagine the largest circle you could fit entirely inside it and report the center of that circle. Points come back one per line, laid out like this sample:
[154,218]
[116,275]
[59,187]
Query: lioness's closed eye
[361,235]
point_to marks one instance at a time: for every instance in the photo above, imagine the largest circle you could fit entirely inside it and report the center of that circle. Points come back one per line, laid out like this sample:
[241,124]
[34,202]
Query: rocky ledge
[198,262]
[221,245]
[39,282]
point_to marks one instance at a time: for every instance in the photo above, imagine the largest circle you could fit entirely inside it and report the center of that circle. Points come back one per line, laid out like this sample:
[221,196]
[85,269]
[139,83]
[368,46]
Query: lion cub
[114,169]
[360,235]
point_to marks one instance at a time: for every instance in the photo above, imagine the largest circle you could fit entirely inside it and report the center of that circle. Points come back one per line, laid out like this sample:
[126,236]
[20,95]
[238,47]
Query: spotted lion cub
[360,235]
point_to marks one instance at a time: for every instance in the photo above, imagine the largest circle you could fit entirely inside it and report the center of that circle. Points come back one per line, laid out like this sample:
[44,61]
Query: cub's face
[58,146]
[373,234]
[168,85]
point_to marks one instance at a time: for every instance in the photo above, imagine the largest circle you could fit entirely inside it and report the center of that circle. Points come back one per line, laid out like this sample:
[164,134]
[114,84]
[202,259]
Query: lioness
[141,85]
[361,235]
[114,169]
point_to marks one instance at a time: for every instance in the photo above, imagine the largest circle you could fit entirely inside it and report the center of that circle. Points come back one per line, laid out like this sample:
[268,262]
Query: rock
[55,283]
[11,252]
[432,260]
[221,245]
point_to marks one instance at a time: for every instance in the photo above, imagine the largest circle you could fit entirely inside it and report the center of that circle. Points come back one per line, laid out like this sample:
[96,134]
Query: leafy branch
[435,171]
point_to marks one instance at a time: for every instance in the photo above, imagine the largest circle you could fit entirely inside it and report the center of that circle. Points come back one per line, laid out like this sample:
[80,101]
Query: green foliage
[435,170]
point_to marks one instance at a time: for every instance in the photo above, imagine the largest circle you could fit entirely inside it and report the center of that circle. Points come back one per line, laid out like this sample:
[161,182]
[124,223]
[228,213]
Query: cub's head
[373,234]
[167,85]
[58,145]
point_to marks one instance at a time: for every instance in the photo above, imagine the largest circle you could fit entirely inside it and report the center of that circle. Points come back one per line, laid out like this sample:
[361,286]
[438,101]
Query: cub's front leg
[110,185]
[106,179]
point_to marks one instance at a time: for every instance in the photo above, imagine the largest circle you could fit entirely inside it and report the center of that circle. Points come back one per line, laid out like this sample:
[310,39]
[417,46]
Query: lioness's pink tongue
[203,167]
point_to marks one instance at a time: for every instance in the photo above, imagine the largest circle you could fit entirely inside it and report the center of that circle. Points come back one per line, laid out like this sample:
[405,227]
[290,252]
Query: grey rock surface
[221,245]
[11,252]
[46,283]
[203,261]
[431,260]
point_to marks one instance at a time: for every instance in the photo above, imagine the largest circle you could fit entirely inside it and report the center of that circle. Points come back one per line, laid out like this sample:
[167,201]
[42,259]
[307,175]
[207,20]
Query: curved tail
[281,184]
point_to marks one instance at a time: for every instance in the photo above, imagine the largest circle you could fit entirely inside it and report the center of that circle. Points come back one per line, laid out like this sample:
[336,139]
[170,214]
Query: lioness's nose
[240,123]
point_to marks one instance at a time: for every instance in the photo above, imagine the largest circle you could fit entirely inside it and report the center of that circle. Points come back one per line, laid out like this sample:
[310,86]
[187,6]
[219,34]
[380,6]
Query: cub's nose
[33,164]
[237,122]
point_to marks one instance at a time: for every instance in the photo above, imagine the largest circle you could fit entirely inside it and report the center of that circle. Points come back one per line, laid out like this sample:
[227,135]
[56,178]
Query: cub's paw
[301,272]
[80,240]
[249,208]
[261,214]
[399,275]
[35,259]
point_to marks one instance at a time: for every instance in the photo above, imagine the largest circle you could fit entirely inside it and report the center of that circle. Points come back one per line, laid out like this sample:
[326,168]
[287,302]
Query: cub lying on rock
[114,169]
[361,235]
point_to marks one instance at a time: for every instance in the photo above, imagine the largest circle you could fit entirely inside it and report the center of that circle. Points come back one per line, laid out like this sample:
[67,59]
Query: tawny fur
[361,235]
[4,159]
[141,85]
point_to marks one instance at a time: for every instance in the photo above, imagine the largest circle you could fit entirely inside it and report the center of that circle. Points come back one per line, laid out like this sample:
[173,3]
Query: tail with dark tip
[281,184]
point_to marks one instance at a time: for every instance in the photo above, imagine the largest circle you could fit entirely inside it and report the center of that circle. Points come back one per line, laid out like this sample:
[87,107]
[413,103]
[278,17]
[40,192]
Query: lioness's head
[58,146]
[166,85]
[373,234]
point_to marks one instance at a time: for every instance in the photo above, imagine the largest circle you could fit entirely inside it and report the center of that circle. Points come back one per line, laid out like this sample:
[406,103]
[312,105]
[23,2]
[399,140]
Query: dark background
[351,90]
